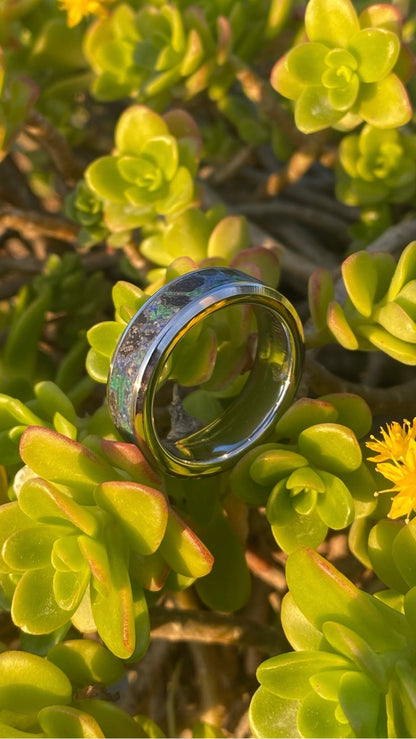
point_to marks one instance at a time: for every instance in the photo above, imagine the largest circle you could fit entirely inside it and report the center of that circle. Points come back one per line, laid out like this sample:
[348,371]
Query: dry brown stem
[212,628]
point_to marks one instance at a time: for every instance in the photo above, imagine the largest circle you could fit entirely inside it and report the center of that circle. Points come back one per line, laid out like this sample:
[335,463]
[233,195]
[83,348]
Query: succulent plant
[149,176]
[345,71]
[86,534]
[376,166]
[18,94]
[55,693]
[160,51]
[310,476]
[379,311]
[352,671]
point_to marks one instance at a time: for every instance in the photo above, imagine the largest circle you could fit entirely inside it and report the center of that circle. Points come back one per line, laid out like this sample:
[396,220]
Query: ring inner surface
[224,381]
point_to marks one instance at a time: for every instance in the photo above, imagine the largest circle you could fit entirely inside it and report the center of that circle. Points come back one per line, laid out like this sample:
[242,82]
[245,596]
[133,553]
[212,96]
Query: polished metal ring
[148,341]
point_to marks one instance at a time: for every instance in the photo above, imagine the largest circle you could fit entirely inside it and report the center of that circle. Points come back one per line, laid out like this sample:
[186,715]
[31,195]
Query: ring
[138,369]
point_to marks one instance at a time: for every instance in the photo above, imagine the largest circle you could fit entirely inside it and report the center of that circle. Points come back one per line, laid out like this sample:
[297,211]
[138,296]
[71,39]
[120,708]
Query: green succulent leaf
[300,633]
[360,278]
[314,110]
[135,127]
[290,528]
[288,675]
[141,511]
[103,337]
[28,683]
[227,586]
[348,643]
[303,413]
[306,62]
[113,608]
[274,464]
[330,22]
[30,548]
[401,350]
[322,593]
[405,271]
[85,662]
[67,462]
[376,50]
[320,295]
[317,716]
[385,104]
[284,81]
[229,237]
[360,700]
[58,720]
[12,520]
[401,699]
[340,328]
[335,505]
[403,549]
[331,446]
[112,720]
[183,550]
[273,716]
[104,178]
[353,412]
[396,321]
[34,608]
[241,482]
[45,503]
[69,588]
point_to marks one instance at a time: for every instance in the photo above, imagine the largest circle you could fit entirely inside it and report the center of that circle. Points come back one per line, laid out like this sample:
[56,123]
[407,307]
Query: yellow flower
[396,461]
[395,441]
[77,9]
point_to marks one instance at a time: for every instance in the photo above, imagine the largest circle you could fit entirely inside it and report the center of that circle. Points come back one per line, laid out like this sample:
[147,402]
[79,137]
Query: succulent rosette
[50,686]
[312,477]
[150,174]
[376,166]
[380,309]
[89,533]
[344,73]
[165,51]
[352,669]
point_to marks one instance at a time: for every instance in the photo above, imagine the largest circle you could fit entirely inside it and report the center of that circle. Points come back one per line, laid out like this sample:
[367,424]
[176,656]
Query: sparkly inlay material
[145,329]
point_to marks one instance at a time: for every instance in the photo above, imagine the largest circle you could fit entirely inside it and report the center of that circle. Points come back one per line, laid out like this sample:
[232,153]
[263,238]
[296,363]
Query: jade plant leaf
[45,503]
[60,720]
[183,550]
[35,588]
[288,675]
[331,446]
[341,22]
[28,683]
[227,586]
[85,662]
[141,511]
[272,716]
[67,461]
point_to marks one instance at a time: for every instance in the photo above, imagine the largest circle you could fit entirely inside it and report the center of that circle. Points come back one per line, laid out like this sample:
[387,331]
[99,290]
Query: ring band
[149,340]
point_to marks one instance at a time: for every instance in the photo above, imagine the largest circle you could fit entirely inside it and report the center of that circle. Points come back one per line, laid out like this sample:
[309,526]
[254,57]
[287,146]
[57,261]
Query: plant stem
[212,628]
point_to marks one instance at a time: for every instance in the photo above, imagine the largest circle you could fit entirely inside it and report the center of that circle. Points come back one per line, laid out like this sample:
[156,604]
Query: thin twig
[212,628]
[281,208]
[33,224]
[296,271]
[14,188]
[229,169]
[392,400]
[266,571]
[307,195]
[395,238]
[56,145]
